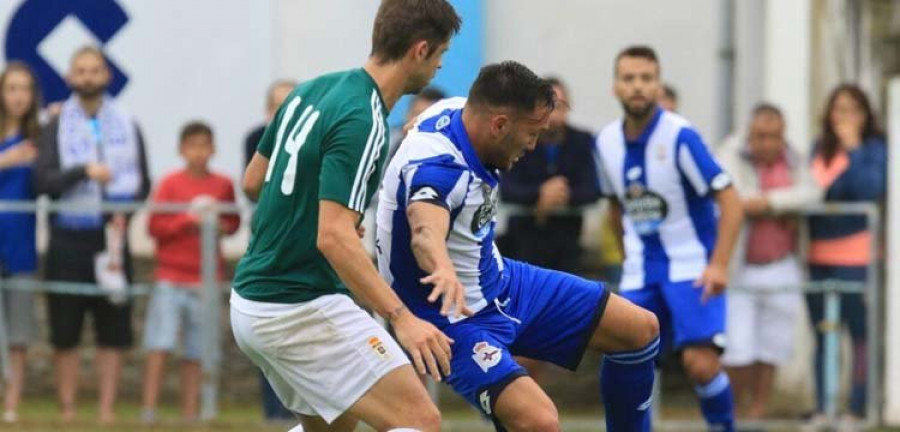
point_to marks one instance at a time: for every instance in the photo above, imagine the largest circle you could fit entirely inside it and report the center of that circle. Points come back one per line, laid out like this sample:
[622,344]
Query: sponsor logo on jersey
[486,355]
[645,208]
[379,348]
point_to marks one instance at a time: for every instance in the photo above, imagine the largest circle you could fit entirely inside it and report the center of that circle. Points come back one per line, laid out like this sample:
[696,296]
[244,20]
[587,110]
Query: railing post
[873,307]
[832,351]
[210,312]
[4,336]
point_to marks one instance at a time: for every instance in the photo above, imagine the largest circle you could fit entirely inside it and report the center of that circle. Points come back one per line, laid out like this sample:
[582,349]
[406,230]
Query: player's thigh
[558,313]
[398,400]
[328,351]
[624,327]
[695,322]
[523,406]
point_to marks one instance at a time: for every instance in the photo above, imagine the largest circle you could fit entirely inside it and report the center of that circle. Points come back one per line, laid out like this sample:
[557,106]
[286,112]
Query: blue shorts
[683,319]
[174,310]
[542,314]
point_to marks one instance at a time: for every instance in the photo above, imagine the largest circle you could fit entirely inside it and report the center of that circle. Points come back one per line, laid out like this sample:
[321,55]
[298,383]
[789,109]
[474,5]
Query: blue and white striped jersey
[436,163]
[663,180]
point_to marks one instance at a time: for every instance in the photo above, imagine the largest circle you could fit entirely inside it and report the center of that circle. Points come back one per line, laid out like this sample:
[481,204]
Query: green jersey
[327,142]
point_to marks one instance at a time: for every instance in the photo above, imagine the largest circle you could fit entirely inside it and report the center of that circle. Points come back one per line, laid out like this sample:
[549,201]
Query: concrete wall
[578,40]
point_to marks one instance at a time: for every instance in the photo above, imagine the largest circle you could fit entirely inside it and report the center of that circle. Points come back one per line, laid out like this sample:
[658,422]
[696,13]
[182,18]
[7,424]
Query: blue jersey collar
[645,135]
[461,140]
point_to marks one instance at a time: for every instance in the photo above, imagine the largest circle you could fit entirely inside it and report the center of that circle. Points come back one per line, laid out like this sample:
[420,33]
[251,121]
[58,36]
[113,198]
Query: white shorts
[320,356]
[760,325]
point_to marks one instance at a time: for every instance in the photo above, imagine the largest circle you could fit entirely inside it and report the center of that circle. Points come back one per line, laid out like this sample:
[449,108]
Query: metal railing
[831,291]
[212,291]
[211,288]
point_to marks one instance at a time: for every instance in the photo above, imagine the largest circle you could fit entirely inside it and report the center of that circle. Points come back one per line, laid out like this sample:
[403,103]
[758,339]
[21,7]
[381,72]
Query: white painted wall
[892,305]
[787,65]
[579,39]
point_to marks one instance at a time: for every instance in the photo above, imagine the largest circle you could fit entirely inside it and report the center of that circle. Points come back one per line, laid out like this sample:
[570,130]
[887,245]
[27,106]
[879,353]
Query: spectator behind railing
[175,303]
[772,181]
[275,96]
[850,162]
[20,101]
[559,173]
[92,152]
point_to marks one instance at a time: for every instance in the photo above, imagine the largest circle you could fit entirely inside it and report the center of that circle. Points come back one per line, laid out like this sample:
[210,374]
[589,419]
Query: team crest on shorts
[379,348]
[486,356]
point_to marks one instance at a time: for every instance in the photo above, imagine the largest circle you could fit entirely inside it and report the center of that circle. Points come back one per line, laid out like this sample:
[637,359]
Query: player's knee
[539,420]
[700,364]
[426,419]
[648,330]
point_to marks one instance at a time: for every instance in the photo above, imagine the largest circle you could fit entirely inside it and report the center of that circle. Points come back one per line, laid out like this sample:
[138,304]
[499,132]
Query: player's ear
[499,124]
[421,50]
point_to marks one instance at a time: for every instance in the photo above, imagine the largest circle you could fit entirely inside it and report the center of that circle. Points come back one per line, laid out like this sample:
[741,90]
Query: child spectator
[175,303]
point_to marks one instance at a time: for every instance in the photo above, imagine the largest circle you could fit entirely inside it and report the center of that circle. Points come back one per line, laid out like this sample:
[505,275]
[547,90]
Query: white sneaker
[10,417]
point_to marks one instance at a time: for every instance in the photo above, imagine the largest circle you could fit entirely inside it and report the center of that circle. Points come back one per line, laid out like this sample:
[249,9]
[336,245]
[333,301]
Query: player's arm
[338,241]
[705,175]
[429,224]
[346,167]
[255,176]
[730,219]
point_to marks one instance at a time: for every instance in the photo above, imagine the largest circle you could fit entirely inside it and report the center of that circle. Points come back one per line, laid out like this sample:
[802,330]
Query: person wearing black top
[548,184]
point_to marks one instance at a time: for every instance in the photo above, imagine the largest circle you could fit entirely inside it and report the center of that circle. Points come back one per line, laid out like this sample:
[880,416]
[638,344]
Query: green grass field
[42,416]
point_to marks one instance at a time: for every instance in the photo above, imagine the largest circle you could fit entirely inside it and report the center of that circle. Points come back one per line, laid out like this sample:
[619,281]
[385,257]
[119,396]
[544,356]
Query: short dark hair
[670,92]
[88,50]
[195,128]
[767,108]
[431,94]
[640,51]
[401,23]
[511,85]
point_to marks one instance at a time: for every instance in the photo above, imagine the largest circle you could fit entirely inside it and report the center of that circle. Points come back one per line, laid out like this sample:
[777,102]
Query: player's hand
[447,285]
[554,193]
[713,281]
[22,154]
[756,206]
[428,346]
[98,172]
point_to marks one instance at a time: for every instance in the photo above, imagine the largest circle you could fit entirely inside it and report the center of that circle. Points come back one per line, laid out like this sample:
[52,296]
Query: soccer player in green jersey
[317,166]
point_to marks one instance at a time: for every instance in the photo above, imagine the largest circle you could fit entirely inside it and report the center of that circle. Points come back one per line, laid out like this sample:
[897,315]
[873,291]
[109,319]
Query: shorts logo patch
[379,348]
[486,356]
[484,398]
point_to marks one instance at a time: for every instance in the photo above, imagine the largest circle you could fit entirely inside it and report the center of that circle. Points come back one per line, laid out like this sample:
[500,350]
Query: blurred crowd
[88,149]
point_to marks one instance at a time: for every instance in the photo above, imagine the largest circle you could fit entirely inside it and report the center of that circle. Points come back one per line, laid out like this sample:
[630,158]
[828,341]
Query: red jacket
[177,234]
